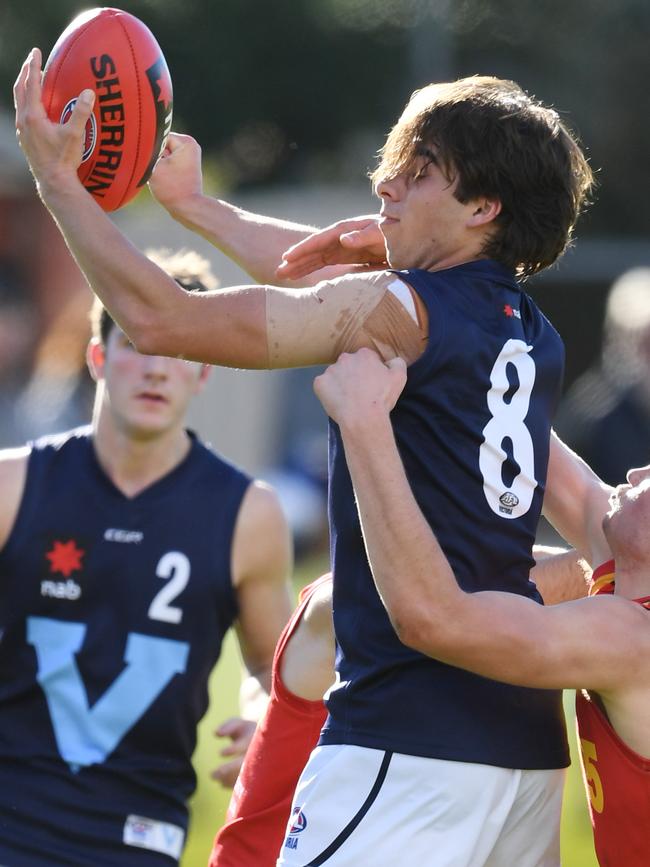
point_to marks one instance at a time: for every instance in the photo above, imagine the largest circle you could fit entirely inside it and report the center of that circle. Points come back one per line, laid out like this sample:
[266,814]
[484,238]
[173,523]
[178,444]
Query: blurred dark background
[290,101]
[290,90]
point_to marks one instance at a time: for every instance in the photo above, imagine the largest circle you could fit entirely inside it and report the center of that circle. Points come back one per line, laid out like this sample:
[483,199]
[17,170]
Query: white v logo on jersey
[86,735]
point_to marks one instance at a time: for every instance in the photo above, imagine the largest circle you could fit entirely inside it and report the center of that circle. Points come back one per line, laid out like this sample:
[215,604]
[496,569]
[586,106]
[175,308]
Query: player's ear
[95,358]
[484,211]
[204,373]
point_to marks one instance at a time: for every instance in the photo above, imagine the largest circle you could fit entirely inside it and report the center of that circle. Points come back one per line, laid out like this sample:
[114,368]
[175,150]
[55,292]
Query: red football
[117,56]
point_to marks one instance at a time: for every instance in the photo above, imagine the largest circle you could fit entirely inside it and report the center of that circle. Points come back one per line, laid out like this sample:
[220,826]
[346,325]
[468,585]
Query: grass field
[211,800]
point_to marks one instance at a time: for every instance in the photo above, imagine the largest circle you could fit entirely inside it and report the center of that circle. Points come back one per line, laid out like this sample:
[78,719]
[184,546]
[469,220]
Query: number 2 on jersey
[176,566]
[507,422]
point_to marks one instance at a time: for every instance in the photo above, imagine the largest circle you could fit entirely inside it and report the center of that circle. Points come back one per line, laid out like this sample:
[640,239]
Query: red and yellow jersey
[617,779]
[287,733]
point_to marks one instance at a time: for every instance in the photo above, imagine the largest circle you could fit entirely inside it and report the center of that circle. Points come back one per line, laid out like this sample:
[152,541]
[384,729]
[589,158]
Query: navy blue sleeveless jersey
[472,427]
[113,611]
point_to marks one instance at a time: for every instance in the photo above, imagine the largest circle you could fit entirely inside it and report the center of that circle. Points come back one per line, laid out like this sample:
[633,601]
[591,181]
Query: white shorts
[356,806]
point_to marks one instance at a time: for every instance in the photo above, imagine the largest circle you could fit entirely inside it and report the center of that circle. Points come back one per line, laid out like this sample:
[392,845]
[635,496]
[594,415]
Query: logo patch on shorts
[297,824]
[156,836]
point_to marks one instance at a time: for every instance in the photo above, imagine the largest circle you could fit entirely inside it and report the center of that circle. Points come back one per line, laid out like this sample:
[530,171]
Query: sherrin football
[117,56]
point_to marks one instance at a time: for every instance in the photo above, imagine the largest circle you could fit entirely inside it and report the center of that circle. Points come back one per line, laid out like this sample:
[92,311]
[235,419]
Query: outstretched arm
[247,326]
[254,241]
[576,501]
[499,635]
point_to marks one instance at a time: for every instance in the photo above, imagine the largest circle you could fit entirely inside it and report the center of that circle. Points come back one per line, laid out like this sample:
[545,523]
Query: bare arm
[498,635]
[262,560]
[560,575]
[261,564]
[576,501]
[13,471]
[231,327]
[255,242]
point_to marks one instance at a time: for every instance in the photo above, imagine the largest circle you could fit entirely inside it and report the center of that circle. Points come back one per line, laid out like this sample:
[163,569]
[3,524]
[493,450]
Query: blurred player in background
[128,550]
[614,394]
[599,644]
[480,186]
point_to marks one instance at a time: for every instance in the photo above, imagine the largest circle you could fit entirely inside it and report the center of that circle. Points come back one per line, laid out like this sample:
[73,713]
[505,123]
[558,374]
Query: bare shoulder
[260,508]
[262,548]
[13,472]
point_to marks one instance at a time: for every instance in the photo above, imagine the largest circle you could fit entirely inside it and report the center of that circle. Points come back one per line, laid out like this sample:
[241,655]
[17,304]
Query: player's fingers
[242,739]
[227,773]
[34,76]
[177,140]
[294,270]
[19,84]
[228,727]
[312,244]
[80,114]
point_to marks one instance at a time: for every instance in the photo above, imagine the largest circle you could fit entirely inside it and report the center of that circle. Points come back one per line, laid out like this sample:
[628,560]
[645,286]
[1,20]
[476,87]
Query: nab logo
[508,501]
[90,133]
[298,824]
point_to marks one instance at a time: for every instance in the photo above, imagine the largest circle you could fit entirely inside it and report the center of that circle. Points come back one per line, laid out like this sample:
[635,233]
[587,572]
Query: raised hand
[53,150]
[359,386]
[356,241]
[177,175]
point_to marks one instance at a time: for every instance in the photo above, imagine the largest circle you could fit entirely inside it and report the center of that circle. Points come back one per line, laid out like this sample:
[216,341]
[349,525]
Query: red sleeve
[285,736]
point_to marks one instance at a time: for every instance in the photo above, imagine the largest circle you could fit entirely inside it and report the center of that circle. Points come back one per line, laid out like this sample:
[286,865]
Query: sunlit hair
[491,139]
[190,270]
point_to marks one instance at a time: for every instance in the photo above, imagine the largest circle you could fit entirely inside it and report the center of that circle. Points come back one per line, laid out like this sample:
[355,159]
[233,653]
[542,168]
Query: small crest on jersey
[298,821]
[508,501]
[511,311]
[90,133]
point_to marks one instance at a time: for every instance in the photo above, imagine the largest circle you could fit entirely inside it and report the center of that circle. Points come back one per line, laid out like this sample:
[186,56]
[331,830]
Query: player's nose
[156,366]
[390,188]
[638,474]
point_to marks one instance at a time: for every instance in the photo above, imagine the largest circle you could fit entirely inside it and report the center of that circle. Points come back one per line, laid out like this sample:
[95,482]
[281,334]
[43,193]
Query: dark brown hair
[493,140]
[190,270]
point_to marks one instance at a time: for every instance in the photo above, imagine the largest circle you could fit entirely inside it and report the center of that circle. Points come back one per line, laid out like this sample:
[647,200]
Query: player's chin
[149,424]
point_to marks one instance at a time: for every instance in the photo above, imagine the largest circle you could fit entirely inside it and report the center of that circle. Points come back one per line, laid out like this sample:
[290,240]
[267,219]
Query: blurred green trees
[288,90]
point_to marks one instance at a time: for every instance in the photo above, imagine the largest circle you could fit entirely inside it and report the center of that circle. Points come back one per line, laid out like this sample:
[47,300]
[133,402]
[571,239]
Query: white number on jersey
[507,422]
[176,566]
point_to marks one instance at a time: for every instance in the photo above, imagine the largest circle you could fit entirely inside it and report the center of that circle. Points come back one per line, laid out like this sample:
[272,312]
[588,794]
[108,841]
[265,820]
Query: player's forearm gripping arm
[412,575]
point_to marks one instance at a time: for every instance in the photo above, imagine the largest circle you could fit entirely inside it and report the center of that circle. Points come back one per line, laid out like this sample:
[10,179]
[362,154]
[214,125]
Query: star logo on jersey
[65,557]
[511,311]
